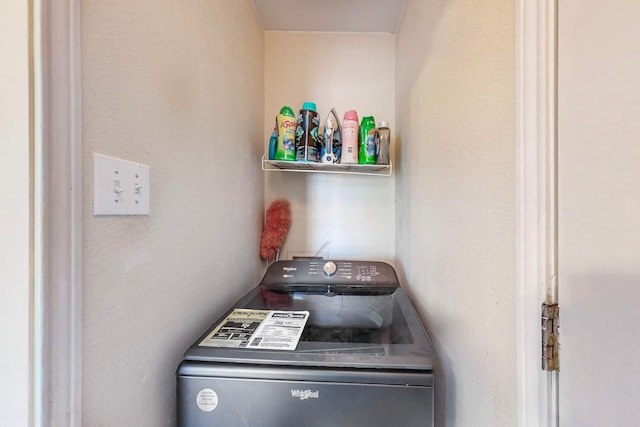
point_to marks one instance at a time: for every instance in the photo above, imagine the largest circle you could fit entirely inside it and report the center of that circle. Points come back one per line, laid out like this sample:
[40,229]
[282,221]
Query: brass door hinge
[550,357]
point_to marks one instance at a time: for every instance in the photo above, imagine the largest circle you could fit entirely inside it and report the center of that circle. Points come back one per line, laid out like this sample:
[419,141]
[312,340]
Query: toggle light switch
[120,187]
[116,186]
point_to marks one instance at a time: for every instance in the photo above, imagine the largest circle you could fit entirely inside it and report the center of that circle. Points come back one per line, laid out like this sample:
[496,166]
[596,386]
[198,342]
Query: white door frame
[57,304]
[536,204]
[16,214]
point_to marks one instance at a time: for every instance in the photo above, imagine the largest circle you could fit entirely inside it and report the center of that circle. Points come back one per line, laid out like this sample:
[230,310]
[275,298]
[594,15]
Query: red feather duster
[275,229]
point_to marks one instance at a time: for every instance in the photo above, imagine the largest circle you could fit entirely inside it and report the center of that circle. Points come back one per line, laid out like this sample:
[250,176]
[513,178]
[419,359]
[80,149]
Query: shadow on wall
[591,303]
[445,379]
[443,388]
[415,42]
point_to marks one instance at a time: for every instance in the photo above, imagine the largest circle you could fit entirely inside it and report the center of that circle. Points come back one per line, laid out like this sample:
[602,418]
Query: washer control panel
[345,272]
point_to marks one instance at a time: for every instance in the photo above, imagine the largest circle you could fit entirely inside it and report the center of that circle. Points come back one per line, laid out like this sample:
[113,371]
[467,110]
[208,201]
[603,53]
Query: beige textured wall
[344,71]
[177,85]
[455,186]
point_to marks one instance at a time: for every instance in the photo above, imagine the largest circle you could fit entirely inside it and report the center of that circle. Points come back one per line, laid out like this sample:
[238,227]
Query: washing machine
[316,343]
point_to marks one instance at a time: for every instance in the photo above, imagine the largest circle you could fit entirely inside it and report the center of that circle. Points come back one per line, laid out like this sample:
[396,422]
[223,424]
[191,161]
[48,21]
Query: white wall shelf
[290,166]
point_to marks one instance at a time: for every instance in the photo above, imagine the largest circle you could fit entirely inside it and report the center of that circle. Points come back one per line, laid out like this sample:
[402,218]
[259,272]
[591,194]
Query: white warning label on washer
[259,329]
[207,400]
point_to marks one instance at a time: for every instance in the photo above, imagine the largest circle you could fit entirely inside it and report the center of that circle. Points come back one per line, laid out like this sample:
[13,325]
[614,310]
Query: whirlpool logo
[305,394]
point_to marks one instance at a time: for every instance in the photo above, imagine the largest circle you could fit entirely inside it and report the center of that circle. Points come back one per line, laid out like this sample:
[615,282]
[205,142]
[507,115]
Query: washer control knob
[330,268]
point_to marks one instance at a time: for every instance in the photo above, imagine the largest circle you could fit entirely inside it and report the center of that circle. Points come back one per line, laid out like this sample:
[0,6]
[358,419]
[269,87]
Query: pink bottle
[350,129]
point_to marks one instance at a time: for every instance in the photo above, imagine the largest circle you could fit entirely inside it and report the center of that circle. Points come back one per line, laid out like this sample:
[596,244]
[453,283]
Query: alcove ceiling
[367,16]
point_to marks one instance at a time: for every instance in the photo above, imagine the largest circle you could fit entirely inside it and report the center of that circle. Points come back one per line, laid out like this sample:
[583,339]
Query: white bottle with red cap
[350,129]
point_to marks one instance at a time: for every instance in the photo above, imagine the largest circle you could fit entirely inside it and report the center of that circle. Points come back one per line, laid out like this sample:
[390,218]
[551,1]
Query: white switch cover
[120,187]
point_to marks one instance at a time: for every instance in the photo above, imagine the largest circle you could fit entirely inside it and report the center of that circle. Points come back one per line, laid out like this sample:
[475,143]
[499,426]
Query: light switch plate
[120,187]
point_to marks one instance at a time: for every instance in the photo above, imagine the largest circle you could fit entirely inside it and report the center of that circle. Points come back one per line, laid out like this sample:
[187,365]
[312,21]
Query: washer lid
[363,327]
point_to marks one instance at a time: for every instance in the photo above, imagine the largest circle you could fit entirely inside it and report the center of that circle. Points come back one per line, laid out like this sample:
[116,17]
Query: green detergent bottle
[367,141]
[287,124]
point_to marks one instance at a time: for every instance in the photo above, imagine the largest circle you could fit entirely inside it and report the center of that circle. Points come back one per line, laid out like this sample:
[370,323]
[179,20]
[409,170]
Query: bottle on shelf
[367,141]
[350,137]
[384,143]
[273,142]
[287,124]
[307,134]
